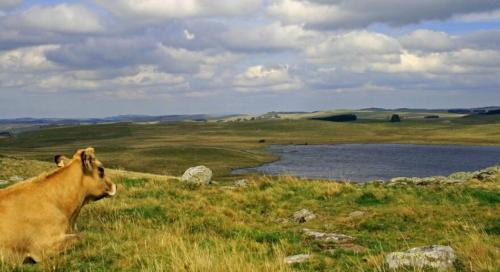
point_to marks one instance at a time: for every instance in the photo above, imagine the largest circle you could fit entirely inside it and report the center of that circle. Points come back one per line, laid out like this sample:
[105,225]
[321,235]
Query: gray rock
[436,256]
[303,216]
[199,175]
[326,238]
[301,258]
[356,214]
[332,242]
[16,178]
[488,174]
[242,183]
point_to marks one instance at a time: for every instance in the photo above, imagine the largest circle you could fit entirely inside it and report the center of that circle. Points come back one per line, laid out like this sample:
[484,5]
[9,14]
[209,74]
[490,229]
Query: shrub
[337,118]
[395,118]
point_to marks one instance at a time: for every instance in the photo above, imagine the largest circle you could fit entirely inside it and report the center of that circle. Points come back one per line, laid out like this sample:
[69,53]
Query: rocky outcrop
[491,174]
[199,175]
[436,256]
[303,216]
[332,241]
[300,258]
[327,238]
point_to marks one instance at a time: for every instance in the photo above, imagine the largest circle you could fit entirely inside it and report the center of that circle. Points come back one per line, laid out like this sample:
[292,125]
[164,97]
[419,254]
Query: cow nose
[112,191]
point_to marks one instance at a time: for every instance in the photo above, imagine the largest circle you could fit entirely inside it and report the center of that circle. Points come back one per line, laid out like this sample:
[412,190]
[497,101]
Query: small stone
[326,238]
[436,256]
[242,183]
[199,175]
[356,214]
[303,216]
[301,258]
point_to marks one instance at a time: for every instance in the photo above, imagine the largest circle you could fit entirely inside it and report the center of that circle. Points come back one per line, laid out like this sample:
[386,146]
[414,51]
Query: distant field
[172,148]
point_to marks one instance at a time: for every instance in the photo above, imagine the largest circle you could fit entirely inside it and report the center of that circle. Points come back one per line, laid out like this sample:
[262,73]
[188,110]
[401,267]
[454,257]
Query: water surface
[364,162]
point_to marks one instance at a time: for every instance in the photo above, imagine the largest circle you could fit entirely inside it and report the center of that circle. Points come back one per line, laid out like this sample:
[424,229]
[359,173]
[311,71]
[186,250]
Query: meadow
[157,223]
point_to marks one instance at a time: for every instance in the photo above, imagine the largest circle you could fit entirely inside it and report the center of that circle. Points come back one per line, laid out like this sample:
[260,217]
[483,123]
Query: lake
[365,162]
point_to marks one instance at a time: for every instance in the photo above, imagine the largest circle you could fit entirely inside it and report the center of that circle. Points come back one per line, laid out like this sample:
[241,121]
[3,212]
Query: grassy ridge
[172,148]
[159,224]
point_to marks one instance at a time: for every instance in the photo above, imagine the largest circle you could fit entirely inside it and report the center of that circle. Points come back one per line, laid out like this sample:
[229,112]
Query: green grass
[162,225]
[172,148]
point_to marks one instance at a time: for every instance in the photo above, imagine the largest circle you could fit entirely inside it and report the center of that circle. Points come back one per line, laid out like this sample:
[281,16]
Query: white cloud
[66,81]
[260,78]
[355,51]
[26,59]
[272,36]
[149,76]
[159,10]
[427,40]
[65,18]
[189,35]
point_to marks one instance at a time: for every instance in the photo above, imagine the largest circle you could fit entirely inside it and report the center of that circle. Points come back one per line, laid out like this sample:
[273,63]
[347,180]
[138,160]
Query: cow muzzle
[112,190]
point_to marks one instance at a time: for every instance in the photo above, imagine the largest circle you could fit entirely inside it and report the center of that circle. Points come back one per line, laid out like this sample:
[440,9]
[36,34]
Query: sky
[96,58]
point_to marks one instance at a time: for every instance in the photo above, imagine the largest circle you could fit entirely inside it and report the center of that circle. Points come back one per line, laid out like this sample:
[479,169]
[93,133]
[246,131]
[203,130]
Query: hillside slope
[157,223]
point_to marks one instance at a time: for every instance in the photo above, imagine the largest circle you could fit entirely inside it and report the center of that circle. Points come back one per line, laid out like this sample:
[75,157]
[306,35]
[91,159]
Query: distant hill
[112,119]
[483,110]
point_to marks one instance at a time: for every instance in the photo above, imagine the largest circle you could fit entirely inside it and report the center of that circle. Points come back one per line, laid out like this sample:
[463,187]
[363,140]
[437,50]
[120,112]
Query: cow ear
[88,158]
[60,160]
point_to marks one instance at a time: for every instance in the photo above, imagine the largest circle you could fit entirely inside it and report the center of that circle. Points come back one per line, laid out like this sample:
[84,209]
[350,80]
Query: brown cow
[37,217]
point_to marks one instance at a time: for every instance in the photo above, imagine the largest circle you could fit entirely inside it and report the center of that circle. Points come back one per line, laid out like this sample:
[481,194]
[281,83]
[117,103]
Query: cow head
[95,181]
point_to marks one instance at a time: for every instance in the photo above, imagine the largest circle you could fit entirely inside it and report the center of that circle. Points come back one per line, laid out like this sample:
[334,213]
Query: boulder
[303,216]
[301,258]
[199,175]
[436,256]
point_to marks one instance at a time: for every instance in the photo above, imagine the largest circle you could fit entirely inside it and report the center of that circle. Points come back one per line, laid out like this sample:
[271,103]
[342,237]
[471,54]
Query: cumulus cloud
[26,59]
[362,13]
[427,40]
[355,51]
[65,18]
[160,10]
[201,50]
[260,78]
[363,51]
[269,37]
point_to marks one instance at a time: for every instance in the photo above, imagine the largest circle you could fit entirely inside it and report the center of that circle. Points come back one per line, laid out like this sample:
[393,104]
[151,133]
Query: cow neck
[70,193]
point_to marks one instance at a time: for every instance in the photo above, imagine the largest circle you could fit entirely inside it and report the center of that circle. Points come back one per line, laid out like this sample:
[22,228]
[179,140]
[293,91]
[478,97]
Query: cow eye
[101,172]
